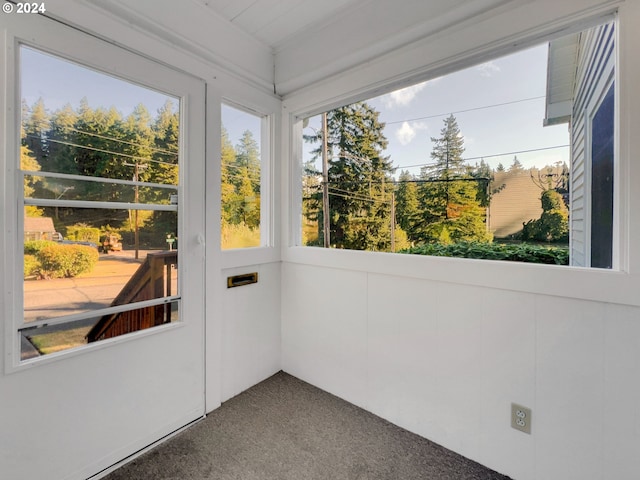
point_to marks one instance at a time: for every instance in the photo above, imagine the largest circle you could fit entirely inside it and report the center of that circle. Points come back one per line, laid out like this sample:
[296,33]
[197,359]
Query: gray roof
[39,224]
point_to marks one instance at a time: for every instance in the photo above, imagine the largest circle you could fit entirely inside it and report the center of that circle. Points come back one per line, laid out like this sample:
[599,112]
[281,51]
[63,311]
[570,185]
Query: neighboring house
[580,91]
[517,200]
[39,228]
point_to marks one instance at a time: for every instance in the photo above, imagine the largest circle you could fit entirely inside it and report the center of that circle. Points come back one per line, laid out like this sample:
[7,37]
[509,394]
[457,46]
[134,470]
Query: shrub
[81,232]
[65,261]
[32,247]
[31,265]
[553,224]
[522,252]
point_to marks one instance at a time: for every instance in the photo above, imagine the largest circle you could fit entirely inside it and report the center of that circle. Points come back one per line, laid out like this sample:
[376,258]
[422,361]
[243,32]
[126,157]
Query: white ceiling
[275,22]
[285,45]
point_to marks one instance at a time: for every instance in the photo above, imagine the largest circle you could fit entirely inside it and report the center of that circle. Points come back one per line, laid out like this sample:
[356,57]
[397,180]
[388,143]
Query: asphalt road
[66,296]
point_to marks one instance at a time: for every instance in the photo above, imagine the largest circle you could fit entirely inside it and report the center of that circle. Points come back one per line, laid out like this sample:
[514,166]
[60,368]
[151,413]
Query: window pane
[60,188]
[48,339]
[89,140]
[602,152]
[480,163]
[71,267]
[241,178]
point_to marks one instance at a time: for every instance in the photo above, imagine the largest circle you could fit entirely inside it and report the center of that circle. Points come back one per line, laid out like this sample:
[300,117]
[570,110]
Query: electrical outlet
[521,418]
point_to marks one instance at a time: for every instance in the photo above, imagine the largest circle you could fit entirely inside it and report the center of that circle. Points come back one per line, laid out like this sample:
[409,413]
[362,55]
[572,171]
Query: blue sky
[59,82]
[499,106]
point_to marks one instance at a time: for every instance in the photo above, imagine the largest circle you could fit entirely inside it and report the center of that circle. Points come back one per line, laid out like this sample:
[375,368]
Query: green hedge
[32,247]
[522,252]
[65,261]
[31,265]
[83,233]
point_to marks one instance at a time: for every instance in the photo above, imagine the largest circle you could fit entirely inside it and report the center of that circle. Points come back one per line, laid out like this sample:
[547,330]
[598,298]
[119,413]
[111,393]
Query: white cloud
[402,97]
[408,131]
[488,69]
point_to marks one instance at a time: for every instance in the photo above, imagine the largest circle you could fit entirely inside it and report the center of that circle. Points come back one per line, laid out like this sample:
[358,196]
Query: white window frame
[267,251]
[266,166]
[103,57]
[425,62]
[297,120]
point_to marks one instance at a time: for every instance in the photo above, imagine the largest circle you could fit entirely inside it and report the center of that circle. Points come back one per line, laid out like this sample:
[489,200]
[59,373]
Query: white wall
[53,416]
[250,337]
[443,346]
[446,361]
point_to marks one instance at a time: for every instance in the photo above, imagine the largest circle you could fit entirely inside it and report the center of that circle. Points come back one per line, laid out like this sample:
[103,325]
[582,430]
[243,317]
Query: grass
[239,236]
[61,340]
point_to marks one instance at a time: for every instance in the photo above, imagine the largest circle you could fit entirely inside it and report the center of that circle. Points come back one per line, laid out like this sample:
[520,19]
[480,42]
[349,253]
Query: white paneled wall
[446,361]
[319,340]
[250,318]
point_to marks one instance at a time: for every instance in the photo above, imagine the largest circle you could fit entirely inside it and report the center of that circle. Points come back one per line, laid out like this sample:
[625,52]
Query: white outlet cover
[521,418]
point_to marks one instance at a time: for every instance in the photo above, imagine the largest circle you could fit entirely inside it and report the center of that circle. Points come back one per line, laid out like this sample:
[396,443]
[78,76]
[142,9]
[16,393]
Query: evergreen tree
[163,167]
[484,175]
[228,200]
[516,166]
[359,178]
[407,205]
[451,210]
[311,204]
[35,123]
[61,141]
[247,178]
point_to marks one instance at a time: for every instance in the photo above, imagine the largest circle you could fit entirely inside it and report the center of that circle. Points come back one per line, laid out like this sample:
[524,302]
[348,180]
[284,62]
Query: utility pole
[325,183]
[136,239]
[136,171]
[393,221]
[446,212]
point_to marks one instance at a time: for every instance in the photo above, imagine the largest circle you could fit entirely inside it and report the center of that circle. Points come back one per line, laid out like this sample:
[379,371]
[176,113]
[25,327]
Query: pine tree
[36,128]
[451,210]
[359,178]
[407,205]
[61,140]
[516,166]
[163,167]
[228,200]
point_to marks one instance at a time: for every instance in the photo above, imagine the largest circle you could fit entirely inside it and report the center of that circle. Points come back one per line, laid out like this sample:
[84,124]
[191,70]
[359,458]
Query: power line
[488,156]
[253,180]
[467,110]
[250,173]
[358,196]
[351,197]
[104,137]
[135,157]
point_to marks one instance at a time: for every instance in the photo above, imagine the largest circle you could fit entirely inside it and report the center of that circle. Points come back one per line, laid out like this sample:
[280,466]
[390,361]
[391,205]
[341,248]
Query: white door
[103,251]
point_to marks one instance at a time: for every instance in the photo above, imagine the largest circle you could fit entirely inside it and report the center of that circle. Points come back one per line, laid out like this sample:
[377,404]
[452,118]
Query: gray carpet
[285,429]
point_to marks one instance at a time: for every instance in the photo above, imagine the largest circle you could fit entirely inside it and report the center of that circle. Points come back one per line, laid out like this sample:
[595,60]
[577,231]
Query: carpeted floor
[284,428]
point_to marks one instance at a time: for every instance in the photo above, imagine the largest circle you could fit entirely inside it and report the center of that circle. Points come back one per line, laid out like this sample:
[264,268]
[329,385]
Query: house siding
[596,64]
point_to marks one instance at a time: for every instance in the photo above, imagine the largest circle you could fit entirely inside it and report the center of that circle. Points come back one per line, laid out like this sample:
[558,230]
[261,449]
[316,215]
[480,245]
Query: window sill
[555,280]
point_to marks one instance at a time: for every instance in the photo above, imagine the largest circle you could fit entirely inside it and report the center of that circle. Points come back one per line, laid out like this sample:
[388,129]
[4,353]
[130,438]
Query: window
[243,193]
[485,162]
[602,172]
[100,175]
